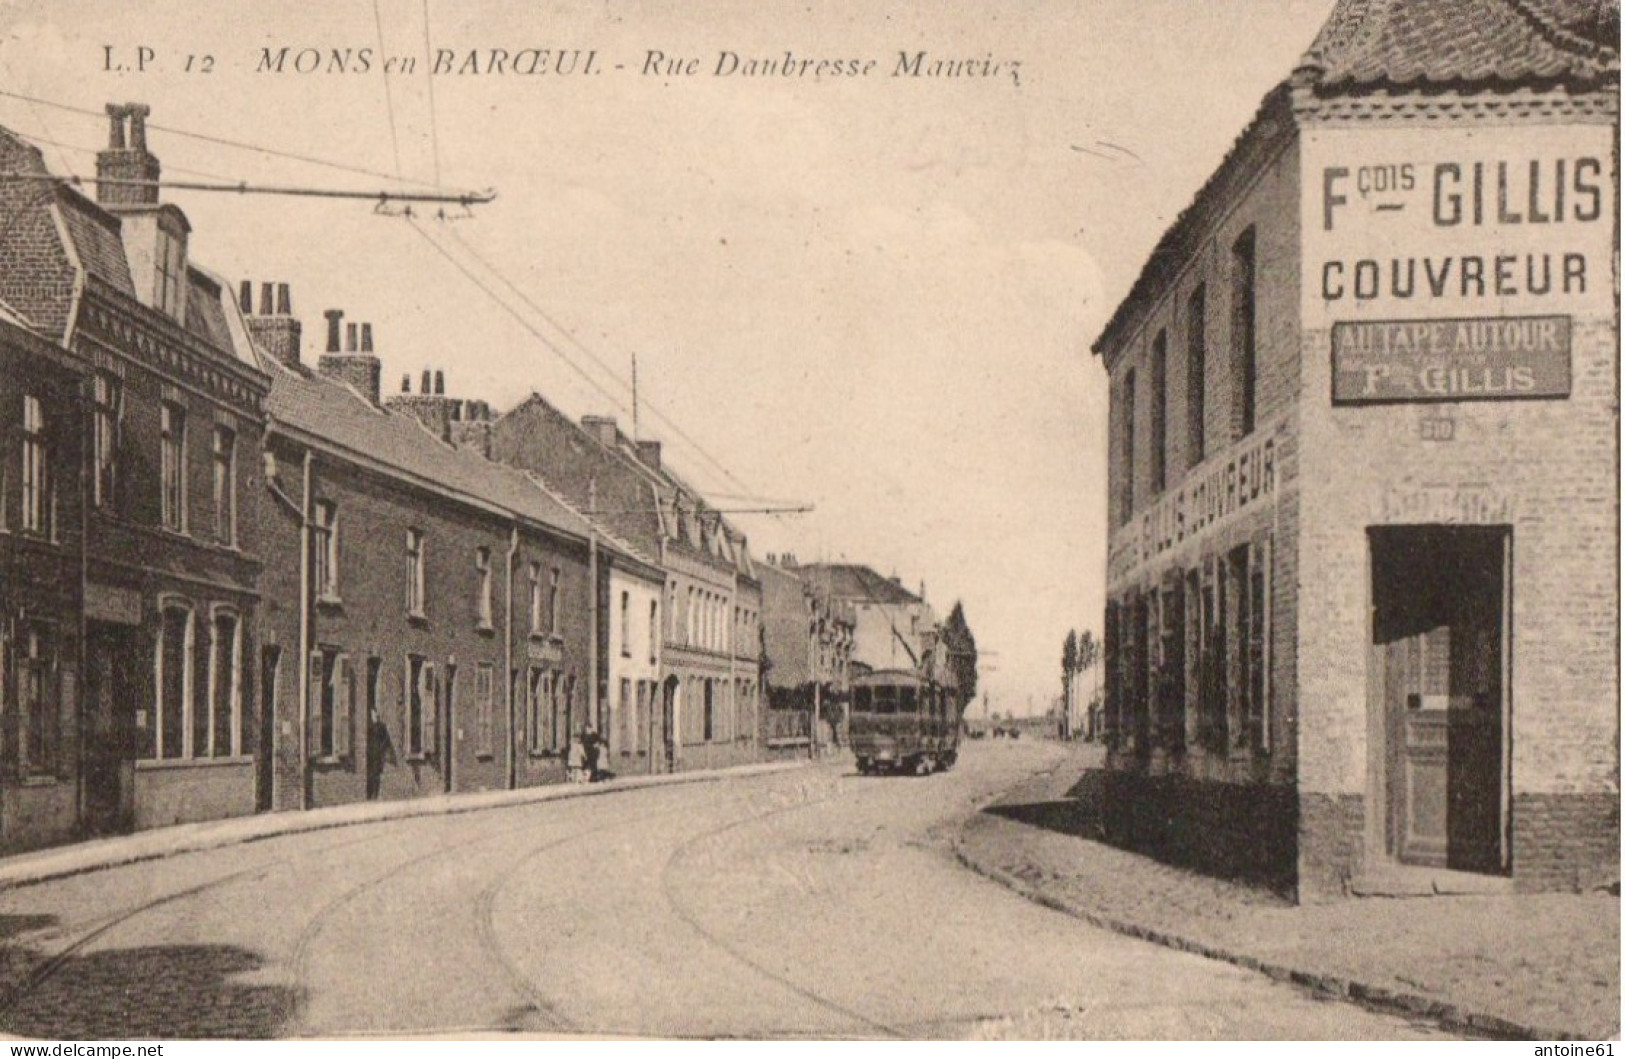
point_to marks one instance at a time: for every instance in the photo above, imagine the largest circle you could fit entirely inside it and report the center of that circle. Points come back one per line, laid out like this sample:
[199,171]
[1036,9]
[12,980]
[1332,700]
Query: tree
[1089,658]
[1069,668]
[961,645]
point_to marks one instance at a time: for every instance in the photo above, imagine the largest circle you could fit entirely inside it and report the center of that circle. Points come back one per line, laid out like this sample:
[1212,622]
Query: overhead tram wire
[603,366]
[617,402]
[465,199]
[224,142]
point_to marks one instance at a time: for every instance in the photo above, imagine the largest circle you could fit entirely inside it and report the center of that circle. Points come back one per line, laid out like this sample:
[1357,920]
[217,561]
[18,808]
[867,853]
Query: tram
[902,722]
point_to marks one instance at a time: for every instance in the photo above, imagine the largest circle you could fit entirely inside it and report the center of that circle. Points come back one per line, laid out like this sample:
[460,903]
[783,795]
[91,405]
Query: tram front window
[905,700]
[885,700]
[861,701]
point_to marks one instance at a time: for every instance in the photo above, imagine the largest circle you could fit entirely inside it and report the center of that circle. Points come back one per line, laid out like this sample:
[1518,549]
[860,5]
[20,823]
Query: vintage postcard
[817,520]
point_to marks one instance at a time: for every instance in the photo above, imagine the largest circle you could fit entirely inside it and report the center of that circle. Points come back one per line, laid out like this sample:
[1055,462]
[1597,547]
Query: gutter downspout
[305,635]
[507,650]
[593,617]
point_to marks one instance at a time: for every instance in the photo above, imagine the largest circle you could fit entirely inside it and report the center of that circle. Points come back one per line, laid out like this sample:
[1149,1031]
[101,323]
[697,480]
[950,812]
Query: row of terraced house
[235,581]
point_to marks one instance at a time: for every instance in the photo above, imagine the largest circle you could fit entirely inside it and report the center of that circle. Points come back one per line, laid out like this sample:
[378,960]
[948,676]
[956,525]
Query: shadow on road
[168,991]
[1151,828]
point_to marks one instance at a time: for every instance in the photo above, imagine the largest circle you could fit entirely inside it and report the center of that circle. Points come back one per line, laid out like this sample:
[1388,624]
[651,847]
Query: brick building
[41,581]
[706,714]
[1362,618]
[808,635]
[429,613]
[174,409]
[892,629]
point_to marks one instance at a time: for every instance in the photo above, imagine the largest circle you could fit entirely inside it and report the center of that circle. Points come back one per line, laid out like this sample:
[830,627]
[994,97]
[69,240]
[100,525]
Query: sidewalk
[1522,966]
[26,869]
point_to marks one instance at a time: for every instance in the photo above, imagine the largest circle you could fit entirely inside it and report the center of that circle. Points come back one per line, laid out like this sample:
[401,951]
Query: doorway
[265,760]
[114,684]
[1441,652]
[668,725]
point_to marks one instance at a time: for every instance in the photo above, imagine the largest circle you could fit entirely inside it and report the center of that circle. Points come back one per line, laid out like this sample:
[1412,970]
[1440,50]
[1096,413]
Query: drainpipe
[305,634]
[592,619]
[507,650]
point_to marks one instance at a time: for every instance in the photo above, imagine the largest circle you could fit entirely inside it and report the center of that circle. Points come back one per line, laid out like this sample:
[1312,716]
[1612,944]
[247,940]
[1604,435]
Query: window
[688,619]
[225,485]
[171,274]
[1196,377]
[1243,332]
[39,718]
[422,697]
[536,599]
[485,710]
[562,708]
[482,598]
[225,733]
[1171,664]
[1238,624]
[172,469]
[37,502]
[1212,721]
[414,573]
[325,550]
[1126,502]
[654,631]
[108,398]
[540,694]
[332,704]
[708,732]
[1159,412]
[1258,650]
[553,601]
[166,736]
[626,625]
[629,720]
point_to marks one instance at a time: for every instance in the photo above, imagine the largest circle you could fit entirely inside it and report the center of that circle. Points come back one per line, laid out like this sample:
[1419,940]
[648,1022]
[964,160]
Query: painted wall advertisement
[1451,264]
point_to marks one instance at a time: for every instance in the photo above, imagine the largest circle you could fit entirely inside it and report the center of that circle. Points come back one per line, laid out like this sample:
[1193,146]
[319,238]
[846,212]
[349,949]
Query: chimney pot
[333,318]
[284,300]
[245,297]
[406,382]
[115,132]
[427,386]
[366,338]
[439,383]
[266,304]
[349,337]
[138,125]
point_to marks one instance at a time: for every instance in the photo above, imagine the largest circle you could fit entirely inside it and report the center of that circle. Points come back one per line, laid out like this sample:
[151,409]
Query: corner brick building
[1362,620]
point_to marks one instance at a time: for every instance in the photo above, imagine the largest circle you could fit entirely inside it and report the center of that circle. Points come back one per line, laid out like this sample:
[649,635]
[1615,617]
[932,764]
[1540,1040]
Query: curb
[70,860]
[1446,1016]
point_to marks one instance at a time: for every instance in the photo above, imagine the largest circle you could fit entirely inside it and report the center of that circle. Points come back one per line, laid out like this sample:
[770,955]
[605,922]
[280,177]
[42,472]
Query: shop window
[1237,649]
[1171,667]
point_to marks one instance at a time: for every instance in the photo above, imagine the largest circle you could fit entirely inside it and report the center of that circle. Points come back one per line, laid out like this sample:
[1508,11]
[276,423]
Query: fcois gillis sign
[1450,263]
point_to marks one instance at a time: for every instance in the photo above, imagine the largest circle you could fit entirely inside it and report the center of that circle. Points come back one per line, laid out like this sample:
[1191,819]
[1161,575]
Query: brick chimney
[274,329]
[127,158]
[602,428]
[355,365]
[649,453]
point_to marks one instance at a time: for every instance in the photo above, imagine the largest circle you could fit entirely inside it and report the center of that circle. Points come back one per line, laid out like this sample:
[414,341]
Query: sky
[873,294]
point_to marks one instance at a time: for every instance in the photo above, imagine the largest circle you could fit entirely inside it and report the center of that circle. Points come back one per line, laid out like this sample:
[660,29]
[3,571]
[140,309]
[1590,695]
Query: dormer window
[170,274]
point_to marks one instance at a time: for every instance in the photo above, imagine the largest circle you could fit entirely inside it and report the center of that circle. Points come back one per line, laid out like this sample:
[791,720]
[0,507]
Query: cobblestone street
[810,902]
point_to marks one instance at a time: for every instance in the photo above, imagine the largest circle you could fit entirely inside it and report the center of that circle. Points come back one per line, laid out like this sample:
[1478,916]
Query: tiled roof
[1411,42]
[856,582]
[95,235]
[1373,44]
[337,414]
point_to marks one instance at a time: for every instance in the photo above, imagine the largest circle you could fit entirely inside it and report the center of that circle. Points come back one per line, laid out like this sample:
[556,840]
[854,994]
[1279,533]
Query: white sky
[874,295]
